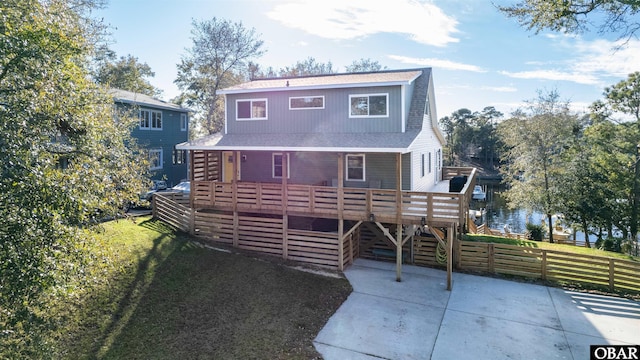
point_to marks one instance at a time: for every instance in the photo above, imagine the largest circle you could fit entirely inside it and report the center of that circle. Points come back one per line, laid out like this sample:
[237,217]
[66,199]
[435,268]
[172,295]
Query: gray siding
[334,118]
[311,168]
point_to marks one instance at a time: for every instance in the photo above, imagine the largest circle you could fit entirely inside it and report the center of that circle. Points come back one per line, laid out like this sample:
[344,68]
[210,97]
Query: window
[374,105]
[306,102]
[277,166]
[150,120]
[179,156]
[355,167]
[155,159]
[183,122]
[251,109]
[422,165]
[429,163]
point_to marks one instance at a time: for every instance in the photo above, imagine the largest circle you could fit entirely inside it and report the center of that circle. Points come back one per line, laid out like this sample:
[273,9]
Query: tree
[536,137]
[63,160]
[309,66]
[127,74]
[624,97]
[217,59]
[364,65]
[576,16]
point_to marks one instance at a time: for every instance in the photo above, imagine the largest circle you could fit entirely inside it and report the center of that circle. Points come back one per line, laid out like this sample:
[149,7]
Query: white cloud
[556,75]
[607,58]
[437,63]
[500,88]
[421,21]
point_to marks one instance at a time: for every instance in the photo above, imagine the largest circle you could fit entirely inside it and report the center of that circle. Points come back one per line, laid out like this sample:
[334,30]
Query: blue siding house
[162,125]
[357,156]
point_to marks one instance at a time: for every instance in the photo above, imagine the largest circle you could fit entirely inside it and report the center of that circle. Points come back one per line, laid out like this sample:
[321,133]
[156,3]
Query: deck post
[340,185]
[285,216]
[450,237]
[191,179]
[341,245]
[398,217]
[234,189]
[398,252]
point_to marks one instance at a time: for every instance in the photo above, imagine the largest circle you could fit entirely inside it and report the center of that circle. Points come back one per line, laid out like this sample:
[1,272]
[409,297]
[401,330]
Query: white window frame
[160,159]
[183,122]
[422,167]
[368,96]
[364,167]
[251,101]
[273,165]
[307,97]
[150,125]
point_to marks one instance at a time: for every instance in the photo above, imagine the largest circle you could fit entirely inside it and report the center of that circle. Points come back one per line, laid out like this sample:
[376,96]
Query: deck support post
[398,217]
[450,237]
[285,216]
[234,187]
[341,245]
[398,252]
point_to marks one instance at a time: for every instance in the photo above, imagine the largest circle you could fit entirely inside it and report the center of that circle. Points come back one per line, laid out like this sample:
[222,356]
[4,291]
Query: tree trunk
[586,233]
[550,221]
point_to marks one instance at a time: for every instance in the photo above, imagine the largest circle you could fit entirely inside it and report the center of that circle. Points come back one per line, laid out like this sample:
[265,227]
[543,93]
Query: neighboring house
[162,125]
[352,155]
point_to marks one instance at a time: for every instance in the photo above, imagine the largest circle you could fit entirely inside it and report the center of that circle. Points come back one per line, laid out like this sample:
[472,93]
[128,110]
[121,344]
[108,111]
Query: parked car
[183,187]
[157,185]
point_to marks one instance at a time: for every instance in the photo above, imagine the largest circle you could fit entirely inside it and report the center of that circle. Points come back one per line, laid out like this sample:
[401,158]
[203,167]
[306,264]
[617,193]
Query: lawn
[160,295]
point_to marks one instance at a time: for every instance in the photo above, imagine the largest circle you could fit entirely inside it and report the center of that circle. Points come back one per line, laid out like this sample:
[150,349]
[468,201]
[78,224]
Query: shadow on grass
[209,304]
[130,288]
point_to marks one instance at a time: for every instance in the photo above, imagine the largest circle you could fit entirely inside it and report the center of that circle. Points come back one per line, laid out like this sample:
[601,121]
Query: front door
[227,166]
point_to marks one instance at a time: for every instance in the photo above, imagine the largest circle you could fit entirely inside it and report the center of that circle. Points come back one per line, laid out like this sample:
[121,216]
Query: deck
[437,207]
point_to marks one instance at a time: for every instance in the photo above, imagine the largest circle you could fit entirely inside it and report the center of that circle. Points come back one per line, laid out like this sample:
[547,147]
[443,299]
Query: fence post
[611,275]
[490,261]
[192,221]
[543,269]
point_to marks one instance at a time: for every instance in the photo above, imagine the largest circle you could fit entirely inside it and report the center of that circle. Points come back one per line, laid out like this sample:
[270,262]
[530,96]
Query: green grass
[152,293]
[548,246]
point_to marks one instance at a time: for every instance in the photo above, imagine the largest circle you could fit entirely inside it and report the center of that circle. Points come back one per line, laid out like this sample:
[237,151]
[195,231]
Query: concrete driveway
[481,318]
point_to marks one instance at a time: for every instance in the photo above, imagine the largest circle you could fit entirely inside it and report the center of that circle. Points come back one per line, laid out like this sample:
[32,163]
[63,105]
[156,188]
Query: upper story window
[254,109]
[183,122]
[369,105]
[355,167]
[150,120]
[306,102]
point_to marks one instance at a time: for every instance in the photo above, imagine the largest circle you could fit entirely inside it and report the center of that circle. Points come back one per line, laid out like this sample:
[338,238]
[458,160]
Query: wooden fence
[552,265]
[173,209]
[260,234]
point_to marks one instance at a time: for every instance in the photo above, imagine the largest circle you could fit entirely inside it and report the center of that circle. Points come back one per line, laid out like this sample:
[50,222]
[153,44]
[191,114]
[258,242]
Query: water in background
[498,214]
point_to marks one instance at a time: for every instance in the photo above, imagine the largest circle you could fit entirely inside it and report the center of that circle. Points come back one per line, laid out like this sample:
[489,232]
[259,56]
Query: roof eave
[318,87]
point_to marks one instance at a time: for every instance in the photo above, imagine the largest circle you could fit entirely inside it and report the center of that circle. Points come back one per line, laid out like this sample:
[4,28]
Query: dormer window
[254,109]
[369,105]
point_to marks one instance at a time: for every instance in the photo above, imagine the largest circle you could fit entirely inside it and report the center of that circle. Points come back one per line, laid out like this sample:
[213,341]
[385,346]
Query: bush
[534,232]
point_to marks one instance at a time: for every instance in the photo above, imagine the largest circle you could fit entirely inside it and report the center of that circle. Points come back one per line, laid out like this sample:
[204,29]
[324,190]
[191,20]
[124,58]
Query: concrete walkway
[481,318]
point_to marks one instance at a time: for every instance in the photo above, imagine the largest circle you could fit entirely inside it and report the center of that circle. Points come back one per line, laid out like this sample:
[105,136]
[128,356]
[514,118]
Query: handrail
[358,203]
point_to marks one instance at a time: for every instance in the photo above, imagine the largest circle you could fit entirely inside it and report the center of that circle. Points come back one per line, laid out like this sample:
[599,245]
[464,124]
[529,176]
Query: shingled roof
[380,78]
[129,97]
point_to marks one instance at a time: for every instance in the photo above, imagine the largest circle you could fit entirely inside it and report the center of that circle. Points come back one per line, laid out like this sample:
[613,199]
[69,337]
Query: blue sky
[479,57]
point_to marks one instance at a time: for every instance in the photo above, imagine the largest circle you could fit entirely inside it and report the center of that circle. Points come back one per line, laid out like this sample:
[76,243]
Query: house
[323,169]
[162,126]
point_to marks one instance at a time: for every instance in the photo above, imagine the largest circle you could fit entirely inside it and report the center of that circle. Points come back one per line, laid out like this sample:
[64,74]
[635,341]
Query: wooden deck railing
[322,201]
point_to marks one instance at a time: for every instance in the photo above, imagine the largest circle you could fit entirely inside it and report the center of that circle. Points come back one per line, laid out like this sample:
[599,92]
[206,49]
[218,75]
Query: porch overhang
[308,142]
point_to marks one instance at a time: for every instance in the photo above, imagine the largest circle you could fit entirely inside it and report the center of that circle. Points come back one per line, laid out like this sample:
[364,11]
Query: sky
[479,56]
